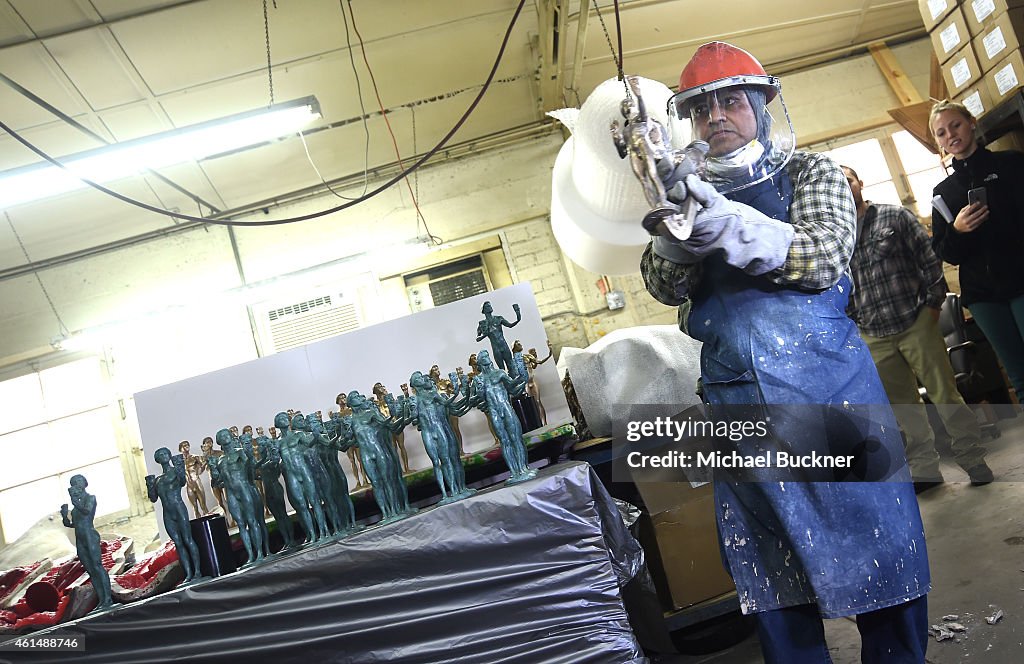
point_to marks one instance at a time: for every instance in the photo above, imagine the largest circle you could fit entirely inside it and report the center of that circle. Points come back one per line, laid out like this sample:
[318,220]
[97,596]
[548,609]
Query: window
[867,159]
[894,167]
[923,168]
[57,424]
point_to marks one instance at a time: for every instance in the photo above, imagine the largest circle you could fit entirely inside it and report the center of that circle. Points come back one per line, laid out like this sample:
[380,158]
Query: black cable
[312,215]
[387,123]
[67,119]
[608,38]
[618,36]
[363,116]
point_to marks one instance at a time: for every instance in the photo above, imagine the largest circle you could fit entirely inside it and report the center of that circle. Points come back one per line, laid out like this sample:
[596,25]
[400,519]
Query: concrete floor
[976,550]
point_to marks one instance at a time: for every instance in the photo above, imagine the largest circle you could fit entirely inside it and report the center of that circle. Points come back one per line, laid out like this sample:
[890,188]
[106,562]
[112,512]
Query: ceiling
[128,68]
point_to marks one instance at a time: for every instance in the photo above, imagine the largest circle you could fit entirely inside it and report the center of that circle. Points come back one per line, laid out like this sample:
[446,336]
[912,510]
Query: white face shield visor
[751,137]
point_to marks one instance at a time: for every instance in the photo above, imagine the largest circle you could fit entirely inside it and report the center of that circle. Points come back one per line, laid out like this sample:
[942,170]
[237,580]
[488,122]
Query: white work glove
[672,175]
[748,239]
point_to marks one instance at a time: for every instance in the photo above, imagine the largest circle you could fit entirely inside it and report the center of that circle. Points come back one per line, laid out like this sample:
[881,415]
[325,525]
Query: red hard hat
[717,65]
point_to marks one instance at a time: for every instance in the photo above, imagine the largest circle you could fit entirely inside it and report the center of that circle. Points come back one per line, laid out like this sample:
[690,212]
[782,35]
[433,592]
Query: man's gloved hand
[672,176]
[748,239]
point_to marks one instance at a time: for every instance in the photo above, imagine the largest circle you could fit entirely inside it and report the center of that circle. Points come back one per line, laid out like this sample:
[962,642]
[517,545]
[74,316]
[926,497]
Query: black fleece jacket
[991,258]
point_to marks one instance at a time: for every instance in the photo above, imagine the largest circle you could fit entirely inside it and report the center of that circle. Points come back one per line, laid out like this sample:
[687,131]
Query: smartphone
[977,195]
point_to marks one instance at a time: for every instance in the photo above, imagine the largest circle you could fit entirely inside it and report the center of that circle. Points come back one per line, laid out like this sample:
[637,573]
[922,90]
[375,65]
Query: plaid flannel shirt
[824,217]
[895,272]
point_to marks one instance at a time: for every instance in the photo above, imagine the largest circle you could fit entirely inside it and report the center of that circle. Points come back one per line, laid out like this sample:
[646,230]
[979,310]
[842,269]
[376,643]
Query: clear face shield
[750,136]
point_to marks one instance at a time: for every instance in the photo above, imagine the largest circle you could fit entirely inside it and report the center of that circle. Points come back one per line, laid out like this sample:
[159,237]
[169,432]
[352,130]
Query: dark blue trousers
[1003,325]
[894,635]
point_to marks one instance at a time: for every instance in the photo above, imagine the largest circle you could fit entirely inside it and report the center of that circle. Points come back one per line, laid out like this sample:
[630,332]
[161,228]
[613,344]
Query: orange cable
[384,114]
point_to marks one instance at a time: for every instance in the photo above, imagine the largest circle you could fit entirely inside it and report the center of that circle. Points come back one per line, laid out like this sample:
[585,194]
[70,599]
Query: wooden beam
[914,119]
[840,132]
[894,75]
[936,82]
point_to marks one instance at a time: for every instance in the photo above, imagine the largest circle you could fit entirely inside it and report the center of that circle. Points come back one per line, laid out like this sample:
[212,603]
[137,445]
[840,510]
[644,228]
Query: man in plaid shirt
[898,290]
[816,258]
[761,280]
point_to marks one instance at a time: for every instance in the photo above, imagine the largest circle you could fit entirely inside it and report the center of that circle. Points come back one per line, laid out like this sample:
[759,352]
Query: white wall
[308,378]
[851,91]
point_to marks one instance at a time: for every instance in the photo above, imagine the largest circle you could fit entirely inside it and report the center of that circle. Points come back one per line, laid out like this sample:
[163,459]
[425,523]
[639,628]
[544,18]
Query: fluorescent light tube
[177,146]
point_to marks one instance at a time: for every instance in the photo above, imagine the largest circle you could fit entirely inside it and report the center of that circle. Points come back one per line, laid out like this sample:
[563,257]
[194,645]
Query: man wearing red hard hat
[762,281]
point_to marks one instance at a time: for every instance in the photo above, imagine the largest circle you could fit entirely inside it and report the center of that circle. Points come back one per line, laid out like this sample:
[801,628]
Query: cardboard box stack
[949,36]
[933,11]
[978,45]
[997,35]
[947,25]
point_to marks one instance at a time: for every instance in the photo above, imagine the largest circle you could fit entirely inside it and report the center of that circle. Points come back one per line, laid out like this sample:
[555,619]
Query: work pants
[919,354]
[1003,326]
[893,635]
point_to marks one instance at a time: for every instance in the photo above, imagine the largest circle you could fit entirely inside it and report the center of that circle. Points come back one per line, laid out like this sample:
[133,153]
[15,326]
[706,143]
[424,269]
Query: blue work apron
[796,359]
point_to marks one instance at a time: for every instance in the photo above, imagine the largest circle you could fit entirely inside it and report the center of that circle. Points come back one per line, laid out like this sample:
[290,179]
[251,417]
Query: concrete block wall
[574,311]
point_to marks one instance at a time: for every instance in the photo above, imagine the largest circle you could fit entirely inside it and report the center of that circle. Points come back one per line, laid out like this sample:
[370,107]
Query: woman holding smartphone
[983,232]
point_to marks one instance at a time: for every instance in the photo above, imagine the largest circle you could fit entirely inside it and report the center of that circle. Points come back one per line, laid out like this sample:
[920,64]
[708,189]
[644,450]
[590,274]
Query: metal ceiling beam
[582,23]
[822,58]
[547,38]
[456,151]
[803,22]
[553,26]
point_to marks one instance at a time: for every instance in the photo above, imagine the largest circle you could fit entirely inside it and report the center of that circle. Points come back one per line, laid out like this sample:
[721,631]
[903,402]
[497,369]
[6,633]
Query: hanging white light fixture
[596,201]
[178,146]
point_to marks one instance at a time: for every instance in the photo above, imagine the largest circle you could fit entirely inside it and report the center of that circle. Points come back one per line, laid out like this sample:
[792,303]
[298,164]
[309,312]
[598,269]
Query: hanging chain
[60,321]
[416,173]
[266,33]
[616,57]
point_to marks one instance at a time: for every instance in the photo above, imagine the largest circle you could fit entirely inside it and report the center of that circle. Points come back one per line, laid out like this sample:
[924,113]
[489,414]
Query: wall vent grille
[301,307]
[310,320]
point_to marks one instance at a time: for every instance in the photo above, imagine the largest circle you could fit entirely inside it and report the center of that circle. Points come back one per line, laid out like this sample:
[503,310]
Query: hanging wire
[416,185]
[309,158]
[387,123]
[618,38]
[616,57]
[416,175]
[312,215]
[60,321]
[363,117]
[359,95]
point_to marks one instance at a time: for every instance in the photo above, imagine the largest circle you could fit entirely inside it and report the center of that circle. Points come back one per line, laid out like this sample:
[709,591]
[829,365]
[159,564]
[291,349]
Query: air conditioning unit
[447,283]
[284,325]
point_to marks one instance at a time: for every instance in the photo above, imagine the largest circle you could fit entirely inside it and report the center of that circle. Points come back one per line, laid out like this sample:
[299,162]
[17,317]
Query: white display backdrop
[309,378]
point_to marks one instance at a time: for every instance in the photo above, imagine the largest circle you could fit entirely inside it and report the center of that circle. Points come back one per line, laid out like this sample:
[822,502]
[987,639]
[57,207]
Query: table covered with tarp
[524,573]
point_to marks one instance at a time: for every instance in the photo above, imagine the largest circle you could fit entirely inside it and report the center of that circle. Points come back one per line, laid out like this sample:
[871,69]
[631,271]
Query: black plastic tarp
[528,573]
